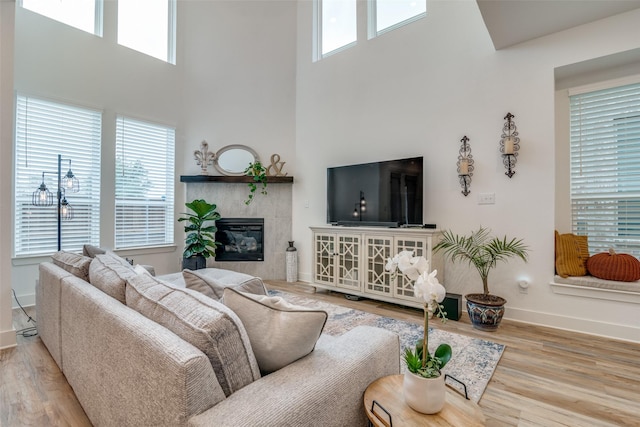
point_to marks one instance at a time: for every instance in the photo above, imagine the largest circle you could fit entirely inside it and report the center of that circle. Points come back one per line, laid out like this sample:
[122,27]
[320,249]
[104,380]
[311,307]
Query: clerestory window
[148,26]
[85,15]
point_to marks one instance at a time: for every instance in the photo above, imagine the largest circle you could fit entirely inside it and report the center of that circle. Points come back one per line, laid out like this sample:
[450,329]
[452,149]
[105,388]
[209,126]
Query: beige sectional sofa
[129,370]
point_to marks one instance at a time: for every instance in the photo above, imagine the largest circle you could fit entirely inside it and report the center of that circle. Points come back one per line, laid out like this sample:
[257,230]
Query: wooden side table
[387,392]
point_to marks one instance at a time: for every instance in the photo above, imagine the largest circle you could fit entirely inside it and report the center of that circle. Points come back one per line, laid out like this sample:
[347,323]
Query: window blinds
[145,155]
[605,168]
[45,129]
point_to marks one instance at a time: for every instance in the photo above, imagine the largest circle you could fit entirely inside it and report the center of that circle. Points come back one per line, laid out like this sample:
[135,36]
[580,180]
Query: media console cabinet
[352,260]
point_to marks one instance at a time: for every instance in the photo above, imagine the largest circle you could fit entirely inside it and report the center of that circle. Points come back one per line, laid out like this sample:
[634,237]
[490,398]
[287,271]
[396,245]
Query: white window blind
[45,129]
[605,168]
[144,184]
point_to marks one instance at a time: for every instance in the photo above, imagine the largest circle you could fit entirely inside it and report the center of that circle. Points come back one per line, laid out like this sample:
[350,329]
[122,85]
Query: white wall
[7,334]
[239,72]
[233,82]
[416,91]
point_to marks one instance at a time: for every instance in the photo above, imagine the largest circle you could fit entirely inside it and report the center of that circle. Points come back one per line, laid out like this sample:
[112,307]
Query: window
[385,15]
[148,26]
[145,155]
[336,20]
[45,129]
[605,167]
[85,15]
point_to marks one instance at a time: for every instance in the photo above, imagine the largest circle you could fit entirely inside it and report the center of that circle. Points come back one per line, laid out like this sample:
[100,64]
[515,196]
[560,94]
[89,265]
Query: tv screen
[387,193]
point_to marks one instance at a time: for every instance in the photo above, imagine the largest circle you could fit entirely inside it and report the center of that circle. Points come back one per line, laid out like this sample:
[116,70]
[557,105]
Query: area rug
[473,361]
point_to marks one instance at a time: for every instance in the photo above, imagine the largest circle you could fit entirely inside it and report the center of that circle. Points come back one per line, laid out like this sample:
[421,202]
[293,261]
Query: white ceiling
[514,21]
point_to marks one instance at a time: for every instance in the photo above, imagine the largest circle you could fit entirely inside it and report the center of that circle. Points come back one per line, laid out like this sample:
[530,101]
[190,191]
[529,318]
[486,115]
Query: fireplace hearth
[241,239]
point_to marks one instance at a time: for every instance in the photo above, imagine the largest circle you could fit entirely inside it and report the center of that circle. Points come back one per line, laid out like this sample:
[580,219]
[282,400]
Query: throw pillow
[92,251]
[613,266]
[76,264]
[280,333]
[109,274]
[572,252]
[200,281]
[201,321]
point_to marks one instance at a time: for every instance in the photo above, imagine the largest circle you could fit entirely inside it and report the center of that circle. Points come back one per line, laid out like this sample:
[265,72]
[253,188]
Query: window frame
[171,35]
[168,180]
[318,33]
[98,20]
[614,231]
[372,20]
[39,237]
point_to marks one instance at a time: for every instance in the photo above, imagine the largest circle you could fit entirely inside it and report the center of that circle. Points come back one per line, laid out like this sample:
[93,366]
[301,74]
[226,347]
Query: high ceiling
[511,22]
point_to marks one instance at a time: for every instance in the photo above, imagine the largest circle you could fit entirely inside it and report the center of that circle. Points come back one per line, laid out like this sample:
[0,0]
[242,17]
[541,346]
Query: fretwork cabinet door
[348,261]
[403,287]
[377,279]
[324,258]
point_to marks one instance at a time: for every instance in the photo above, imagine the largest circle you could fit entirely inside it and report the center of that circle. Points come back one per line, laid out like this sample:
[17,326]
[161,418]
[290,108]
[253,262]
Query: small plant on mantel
[258,172]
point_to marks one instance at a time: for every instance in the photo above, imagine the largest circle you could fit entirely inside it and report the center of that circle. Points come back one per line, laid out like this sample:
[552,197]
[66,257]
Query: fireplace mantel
[234,179]
[229,194]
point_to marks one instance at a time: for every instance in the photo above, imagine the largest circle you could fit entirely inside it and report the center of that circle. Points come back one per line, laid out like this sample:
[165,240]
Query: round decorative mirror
[234,159]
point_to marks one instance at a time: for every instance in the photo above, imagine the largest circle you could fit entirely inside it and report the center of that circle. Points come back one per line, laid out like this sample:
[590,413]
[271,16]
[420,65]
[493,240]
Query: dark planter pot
[194,263]
[485,311]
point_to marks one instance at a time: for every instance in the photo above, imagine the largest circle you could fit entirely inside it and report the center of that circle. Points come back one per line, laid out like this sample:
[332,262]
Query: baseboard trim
[8,339]
[28,300]
[573,324]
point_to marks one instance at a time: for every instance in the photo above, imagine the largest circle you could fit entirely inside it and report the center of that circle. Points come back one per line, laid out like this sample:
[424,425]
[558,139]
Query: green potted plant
[200,242]
[258,172]
[482,251]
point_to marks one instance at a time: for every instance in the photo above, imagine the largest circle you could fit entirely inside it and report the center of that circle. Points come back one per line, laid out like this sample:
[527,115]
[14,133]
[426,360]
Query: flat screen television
[386,193]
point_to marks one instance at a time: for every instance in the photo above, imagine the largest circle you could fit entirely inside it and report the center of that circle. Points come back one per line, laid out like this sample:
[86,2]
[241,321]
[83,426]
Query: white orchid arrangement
[426,287]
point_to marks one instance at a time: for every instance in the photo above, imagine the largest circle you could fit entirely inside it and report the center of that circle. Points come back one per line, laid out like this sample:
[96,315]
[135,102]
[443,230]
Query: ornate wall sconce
[509,145]
[465,165]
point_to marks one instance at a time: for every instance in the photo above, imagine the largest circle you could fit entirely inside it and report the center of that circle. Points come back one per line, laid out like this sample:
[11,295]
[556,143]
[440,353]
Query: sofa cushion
[280,333]
[204,282]
[109,274]
[76,264]
[201,321]
[572,253]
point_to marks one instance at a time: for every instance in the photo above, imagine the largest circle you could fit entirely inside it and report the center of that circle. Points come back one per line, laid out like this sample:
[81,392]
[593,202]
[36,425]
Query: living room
[244,74]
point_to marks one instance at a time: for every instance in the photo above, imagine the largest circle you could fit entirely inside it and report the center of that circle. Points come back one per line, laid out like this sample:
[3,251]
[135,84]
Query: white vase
[424,395]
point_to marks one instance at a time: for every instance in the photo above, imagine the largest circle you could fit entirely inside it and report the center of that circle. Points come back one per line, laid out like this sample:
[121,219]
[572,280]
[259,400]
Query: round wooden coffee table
[387,392]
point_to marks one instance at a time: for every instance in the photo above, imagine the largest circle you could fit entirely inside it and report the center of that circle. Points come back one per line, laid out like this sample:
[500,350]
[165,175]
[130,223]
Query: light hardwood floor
[546,377]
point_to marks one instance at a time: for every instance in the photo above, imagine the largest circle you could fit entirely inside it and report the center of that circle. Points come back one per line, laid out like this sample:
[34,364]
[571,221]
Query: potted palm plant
[200,242]
[483,251]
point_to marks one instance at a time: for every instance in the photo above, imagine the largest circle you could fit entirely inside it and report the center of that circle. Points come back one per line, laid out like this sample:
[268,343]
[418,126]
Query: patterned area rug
[473,361]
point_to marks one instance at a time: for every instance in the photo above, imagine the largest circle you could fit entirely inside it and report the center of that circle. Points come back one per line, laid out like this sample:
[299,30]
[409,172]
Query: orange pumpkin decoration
[613,266]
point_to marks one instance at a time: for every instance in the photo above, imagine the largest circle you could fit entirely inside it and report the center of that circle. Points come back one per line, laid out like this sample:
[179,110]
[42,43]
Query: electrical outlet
[486,198]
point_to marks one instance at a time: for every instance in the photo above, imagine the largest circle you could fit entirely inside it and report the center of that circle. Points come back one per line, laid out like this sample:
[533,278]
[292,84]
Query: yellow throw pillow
[572,253]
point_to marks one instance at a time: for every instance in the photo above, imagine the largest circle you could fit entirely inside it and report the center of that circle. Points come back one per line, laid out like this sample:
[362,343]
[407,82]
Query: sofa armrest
[127,370]
[325,388]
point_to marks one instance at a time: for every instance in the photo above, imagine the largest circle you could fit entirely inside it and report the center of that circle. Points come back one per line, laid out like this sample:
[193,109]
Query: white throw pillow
[280,333]
[203,282]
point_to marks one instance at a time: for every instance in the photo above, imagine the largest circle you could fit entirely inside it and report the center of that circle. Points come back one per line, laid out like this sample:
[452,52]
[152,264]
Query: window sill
[591,287]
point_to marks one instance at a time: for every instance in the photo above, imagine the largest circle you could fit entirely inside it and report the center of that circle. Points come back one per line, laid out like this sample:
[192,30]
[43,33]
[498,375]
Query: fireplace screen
[241,239]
